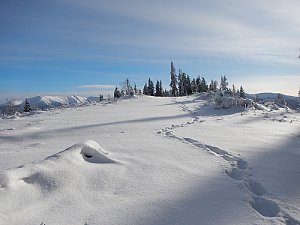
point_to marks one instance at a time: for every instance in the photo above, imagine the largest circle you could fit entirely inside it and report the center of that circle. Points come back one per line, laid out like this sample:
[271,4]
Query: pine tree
[242,92]
[203,85]
[188,84]
[127,88]
[211,86]
[173,83]
[233,90]
[160,88]
[150,87]
[193,85]
[223,84]
[198,84]
[181,83]
[117,93]
[135,89]
[157,89]
[165,93]
[27,106]
[145,89]
[215,86]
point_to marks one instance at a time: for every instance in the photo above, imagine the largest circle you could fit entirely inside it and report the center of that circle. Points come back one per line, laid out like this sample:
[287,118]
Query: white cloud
[285,84]
[258,30]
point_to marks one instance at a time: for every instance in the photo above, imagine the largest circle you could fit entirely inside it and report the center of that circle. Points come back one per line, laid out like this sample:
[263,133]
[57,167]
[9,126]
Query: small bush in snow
[225,101]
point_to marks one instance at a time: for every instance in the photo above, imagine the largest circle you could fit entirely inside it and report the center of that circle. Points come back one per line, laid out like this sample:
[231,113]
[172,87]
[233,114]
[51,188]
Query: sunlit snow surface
[150,161]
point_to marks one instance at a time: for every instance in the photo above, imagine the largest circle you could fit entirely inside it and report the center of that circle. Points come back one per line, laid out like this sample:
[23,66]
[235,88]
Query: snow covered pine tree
[27,107]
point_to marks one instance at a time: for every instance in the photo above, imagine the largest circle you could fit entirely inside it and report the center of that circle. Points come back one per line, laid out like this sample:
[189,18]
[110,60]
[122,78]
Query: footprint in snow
[265,207]
[239,172]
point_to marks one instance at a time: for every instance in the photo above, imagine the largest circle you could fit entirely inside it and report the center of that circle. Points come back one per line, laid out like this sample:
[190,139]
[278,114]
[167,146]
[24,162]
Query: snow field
[279,169]
[166,161]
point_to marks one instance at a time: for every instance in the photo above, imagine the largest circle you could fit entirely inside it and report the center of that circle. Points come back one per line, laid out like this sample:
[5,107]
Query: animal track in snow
[238,172]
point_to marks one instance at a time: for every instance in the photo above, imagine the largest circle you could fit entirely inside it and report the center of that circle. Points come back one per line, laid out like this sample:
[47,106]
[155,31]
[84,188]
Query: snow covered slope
[46,102]
[150,161]
[291,100]
[42,102]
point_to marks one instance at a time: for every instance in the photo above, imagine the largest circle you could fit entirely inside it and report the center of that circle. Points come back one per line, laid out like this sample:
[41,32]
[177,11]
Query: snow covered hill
[43,102]
[151,161]
[292,101]
[46,102]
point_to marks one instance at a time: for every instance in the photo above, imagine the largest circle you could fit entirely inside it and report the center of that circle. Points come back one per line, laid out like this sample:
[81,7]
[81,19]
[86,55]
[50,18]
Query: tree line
[182,85]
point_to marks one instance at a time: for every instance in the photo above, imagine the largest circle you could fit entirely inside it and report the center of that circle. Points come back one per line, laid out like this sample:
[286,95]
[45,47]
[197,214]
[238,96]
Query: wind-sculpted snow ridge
[262,201]
[62,176]
[89,151]
[92,152]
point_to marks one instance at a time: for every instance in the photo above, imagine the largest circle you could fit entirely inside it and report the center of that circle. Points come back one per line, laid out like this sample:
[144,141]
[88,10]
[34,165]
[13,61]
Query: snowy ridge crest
[43,102]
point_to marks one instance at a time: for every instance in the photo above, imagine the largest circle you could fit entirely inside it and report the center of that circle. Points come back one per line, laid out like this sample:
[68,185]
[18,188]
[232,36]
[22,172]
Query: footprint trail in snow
[239,172]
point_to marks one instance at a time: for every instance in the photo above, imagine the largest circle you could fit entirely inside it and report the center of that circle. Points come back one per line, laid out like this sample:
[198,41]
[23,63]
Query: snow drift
[70,177]
[40,173]
[92,152]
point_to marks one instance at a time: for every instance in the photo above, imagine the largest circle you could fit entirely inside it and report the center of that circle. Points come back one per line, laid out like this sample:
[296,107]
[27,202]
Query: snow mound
[93,153]
[227,102]
[46,173]
[73,180]
[292,101]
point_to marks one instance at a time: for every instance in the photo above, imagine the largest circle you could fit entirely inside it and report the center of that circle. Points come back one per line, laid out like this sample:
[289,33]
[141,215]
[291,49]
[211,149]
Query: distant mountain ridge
[43,102]
[46,102]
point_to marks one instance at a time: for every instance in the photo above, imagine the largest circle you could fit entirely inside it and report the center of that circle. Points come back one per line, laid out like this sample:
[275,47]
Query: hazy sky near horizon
[88,47]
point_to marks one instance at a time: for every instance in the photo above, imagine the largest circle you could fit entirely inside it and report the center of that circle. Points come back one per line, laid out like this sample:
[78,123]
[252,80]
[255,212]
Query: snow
[292,101]
[151,161]
[93,153]
[47,102]
[43,102]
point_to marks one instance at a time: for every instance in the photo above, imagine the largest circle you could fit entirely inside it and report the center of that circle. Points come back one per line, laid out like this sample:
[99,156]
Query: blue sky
[63,46]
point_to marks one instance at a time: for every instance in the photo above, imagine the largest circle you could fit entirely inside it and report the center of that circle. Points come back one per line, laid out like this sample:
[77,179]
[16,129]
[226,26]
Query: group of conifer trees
[157,91]
[183,85]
